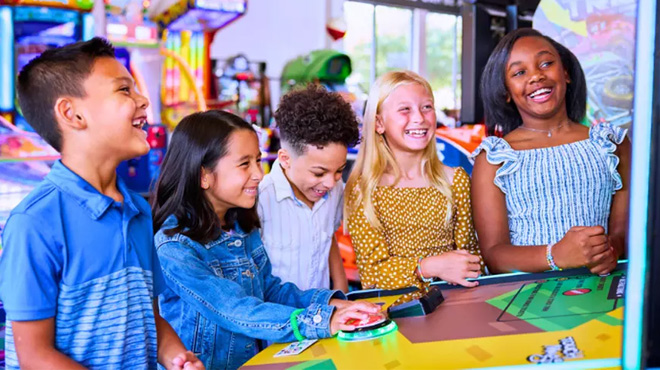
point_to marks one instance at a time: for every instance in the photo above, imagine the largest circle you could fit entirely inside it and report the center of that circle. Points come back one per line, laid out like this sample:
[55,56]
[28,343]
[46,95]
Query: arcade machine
[188,28]
[246,93]
[602,37]
[242,88]
[327,67]
[136,43]
[134,36]
[29,27]
[25,159]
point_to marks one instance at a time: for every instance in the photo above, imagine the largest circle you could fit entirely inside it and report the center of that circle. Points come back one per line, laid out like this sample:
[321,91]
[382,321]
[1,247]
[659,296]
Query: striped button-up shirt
[297,238]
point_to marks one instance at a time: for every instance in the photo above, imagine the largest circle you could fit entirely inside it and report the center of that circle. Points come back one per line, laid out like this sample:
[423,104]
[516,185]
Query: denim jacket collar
[171,222]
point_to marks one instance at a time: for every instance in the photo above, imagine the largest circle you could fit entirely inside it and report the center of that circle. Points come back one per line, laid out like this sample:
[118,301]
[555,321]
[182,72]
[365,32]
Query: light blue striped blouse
[550,190]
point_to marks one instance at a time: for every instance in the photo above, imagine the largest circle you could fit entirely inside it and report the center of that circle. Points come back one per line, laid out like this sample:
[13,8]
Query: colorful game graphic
[188,28]
[127,23]
[454,145]
[28,28]
[25,160]
[508,320]
[576,300]
[601,33]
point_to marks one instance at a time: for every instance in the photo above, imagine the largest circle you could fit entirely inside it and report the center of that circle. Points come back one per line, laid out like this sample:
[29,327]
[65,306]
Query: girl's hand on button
[365,306]
[352,310]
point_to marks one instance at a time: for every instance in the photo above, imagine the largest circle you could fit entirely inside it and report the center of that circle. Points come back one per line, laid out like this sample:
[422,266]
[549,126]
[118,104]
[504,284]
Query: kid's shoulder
[266,183]
[42,200]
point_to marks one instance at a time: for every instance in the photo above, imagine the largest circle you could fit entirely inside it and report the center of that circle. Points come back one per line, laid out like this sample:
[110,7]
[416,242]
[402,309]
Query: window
[393,39]
[358,41]
[443,58]
[392,29]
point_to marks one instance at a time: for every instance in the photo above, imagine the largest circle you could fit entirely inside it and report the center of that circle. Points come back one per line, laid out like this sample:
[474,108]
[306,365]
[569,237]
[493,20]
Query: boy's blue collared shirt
[73,253]
[222,296]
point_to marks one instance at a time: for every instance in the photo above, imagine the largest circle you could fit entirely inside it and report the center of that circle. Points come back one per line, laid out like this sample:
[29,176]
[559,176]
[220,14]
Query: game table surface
[568,316]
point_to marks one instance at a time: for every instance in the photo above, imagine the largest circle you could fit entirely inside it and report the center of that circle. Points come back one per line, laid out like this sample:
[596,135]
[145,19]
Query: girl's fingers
[366,307]
[346,327]
[472,274]
[474,266]
[344,315]
[468,284]
[473,259]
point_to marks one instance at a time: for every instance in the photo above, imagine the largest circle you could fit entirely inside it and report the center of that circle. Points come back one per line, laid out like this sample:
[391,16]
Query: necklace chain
[549,132]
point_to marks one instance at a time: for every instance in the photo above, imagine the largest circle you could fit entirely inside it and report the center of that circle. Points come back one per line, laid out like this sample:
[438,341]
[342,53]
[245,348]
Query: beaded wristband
[419,270]
[550,260]
[294,324]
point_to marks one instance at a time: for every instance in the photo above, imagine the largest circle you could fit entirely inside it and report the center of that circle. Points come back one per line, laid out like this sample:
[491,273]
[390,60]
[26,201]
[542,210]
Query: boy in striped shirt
[301,199]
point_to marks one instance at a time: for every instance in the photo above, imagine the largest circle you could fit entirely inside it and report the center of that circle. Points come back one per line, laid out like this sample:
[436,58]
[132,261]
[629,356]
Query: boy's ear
[380,127]
[284,157]
[66,114]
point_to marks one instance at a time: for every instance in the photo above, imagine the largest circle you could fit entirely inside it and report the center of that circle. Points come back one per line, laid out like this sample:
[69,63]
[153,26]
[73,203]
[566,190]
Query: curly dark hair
[313,115]
[500,114]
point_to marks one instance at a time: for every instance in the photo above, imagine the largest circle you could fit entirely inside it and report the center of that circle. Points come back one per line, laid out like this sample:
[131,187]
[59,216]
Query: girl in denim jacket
[222,296]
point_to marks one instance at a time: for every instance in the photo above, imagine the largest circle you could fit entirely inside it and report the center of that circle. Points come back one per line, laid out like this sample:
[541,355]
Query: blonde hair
[375,157]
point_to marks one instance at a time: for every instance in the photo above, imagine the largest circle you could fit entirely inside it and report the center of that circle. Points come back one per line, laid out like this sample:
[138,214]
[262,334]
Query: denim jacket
[222,297]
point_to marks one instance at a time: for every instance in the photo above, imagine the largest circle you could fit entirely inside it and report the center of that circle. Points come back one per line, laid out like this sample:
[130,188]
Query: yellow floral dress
[414,224]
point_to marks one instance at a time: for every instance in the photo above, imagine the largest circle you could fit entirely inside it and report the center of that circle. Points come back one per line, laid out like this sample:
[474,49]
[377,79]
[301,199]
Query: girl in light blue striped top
[550,193]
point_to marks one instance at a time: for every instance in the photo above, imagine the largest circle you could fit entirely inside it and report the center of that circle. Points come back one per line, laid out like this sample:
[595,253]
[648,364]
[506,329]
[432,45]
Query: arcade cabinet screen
[39,29]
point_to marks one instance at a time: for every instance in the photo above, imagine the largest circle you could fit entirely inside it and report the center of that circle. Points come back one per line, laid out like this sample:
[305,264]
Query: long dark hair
[500,114]
[199,140]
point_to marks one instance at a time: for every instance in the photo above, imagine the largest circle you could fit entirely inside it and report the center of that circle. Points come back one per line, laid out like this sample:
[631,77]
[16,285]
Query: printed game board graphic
[520,319]
[576,300]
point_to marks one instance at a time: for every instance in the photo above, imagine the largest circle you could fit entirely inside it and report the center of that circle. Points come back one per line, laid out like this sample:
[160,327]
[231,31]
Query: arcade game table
[509,321]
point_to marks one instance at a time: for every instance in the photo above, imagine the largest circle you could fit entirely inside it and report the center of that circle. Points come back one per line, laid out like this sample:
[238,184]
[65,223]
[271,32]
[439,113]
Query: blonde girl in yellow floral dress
[409,216]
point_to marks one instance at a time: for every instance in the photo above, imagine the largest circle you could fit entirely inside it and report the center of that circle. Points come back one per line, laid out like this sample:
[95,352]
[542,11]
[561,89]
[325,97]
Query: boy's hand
[581,246]
[186,361]
[454,267]
[350,310]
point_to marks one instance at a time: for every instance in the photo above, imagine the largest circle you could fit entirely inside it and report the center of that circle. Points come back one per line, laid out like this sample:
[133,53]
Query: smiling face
[536,79]
[114,111]
[234,181]
[316,171]
[407,118]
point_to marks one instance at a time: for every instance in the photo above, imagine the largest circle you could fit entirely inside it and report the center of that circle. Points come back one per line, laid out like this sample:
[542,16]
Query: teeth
[416,132]
[539,91]
[140,123]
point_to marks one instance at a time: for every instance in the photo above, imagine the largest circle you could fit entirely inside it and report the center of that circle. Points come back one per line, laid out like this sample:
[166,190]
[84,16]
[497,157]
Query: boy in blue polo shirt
[79,273]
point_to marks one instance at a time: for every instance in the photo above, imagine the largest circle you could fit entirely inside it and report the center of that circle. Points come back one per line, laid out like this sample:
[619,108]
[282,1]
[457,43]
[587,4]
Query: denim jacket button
[317,319]
[238,243]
